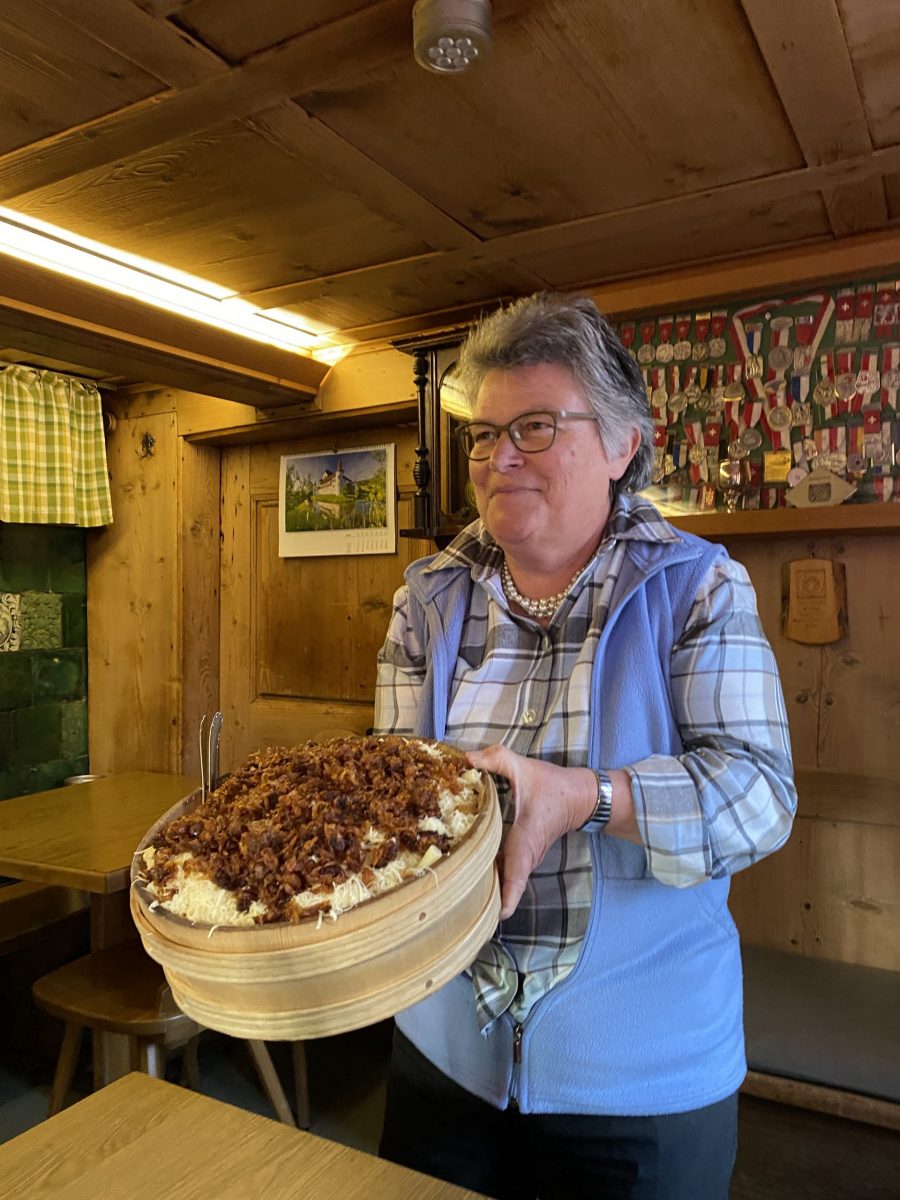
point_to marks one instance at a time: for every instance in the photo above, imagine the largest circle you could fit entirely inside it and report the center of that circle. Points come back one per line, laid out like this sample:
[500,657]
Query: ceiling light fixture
[55,249]
[450,36]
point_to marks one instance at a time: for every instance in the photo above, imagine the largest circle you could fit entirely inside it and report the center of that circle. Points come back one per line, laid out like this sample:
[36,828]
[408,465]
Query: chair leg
[301,1085]
[152,1058]
[269,1079]
[65,1068]
[190,1066]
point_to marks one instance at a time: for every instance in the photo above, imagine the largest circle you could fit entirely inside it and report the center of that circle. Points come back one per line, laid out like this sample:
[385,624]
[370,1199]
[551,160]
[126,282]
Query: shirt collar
[632,519]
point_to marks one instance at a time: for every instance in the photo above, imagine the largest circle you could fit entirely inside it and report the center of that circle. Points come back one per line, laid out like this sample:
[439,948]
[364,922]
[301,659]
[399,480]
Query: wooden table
[141,1136]
[84,836]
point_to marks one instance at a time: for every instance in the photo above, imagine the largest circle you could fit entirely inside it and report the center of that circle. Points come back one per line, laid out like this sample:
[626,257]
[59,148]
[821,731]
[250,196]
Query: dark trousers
[434,1126]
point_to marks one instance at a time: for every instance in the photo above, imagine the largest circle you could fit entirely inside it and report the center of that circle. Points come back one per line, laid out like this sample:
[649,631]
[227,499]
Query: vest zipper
[517,1059]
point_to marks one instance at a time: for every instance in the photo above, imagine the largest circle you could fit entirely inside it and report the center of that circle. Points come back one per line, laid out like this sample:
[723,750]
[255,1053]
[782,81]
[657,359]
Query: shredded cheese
[199,899]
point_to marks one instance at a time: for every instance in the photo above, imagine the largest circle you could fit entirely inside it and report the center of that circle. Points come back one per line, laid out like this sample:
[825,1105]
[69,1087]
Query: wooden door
[299,636]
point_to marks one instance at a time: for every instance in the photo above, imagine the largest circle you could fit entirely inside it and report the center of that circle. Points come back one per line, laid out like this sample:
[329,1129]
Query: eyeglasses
[530,432]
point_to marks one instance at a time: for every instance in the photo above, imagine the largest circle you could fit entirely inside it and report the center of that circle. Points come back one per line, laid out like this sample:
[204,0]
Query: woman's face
[546,506]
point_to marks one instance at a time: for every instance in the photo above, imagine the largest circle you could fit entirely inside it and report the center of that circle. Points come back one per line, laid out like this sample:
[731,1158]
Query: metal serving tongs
[209,755]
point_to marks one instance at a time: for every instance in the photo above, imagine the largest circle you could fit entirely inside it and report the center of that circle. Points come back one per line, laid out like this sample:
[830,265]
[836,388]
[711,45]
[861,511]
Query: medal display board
[749,399]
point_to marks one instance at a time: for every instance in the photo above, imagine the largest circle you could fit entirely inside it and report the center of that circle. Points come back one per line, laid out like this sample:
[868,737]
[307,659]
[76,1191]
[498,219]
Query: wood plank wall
[831,892]
[153,600]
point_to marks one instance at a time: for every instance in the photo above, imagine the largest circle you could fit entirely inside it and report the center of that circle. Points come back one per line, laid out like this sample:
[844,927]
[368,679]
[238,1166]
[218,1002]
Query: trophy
[733,475]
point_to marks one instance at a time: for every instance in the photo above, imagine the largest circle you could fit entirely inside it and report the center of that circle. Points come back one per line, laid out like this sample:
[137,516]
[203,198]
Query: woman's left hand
[549,801]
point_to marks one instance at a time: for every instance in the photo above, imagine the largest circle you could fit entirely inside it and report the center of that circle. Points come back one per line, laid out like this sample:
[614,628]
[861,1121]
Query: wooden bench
[823,1035]
[28,909]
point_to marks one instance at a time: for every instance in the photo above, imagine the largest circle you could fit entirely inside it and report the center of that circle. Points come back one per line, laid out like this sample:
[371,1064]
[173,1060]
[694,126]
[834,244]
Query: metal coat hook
[148,446]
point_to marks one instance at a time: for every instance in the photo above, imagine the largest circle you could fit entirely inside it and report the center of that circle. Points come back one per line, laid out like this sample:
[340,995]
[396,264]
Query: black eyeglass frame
[554,415]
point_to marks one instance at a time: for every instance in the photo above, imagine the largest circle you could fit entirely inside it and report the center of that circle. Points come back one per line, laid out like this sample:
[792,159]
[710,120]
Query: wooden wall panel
[153,591]
[831,892]
[133,616]
[300,636]
[843,700]
[198,594]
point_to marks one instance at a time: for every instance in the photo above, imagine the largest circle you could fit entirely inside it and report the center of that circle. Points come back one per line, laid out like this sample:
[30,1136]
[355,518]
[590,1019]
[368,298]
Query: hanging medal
[862,312]
[872,448]
[803,353]
[801,409]
[890,378]
[856,461]
[868,379]
[683,337]
[701,345]
[665,351]
[845,379]
[780,354]
[843,325]
[646,350]
[660,442]
[717,344]
[753,365]
[693,430]
[626,337]
[676,400]
[704,400]
[824,394]
[659,396]
[885,316]
[691,387]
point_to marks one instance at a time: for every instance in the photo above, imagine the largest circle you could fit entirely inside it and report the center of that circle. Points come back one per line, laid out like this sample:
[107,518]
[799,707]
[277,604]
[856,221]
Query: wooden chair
[122,990]
[28,910]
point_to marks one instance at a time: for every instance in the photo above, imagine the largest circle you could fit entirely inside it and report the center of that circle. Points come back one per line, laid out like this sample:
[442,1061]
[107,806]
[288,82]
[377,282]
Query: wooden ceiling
[293,151]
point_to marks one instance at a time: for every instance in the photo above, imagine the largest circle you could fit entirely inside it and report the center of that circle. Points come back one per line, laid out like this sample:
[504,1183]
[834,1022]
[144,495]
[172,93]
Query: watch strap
[599,818]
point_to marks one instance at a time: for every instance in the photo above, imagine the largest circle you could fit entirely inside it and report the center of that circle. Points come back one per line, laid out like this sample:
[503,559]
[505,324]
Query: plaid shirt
[719,806]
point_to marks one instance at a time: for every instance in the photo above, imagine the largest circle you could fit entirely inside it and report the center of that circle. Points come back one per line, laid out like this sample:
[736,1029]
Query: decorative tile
[16,683]
[37,735]
[41,621]
[59,676]
[10,621]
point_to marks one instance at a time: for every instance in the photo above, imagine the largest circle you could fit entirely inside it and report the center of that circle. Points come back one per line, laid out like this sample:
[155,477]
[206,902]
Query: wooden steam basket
[294,981]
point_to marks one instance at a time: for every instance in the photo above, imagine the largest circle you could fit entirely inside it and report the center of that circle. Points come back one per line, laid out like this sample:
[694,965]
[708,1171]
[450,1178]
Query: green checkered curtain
[52,452]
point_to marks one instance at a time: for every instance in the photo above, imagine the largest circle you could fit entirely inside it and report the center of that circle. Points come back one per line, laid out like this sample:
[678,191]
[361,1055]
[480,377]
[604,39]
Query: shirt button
[529,716]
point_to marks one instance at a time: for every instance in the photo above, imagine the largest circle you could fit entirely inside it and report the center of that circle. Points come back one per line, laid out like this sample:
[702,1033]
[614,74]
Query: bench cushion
[823,1022]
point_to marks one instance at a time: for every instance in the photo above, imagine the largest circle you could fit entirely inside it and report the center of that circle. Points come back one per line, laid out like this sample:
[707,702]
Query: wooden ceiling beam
[152,44]
[299,135]
[352,45]
[821,100]
[784,268]
[83,309]
[730,198]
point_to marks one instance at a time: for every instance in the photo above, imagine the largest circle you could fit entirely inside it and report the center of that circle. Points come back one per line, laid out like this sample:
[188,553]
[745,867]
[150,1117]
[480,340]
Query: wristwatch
[599,818]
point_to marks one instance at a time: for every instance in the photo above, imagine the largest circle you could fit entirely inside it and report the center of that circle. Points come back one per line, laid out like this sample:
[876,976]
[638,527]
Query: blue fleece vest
[650,1019]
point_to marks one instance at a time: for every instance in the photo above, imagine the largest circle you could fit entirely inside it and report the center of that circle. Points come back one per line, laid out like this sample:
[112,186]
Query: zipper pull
[517,1044]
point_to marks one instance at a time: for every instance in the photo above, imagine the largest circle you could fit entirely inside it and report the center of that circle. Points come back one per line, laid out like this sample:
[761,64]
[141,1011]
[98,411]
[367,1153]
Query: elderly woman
[616,671]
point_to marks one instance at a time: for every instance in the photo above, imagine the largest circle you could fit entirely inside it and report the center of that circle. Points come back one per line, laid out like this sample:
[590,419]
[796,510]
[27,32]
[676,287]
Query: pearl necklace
[535,608]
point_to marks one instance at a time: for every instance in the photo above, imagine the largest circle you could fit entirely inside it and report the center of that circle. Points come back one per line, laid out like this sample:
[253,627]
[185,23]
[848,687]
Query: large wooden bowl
[293,981]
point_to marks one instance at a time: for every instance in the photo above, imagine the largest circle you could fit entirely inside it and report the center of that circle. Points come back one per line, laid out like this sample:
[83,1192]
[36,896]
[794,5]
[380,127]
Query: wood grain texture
[197,631]
[113,1142]
[133,607]
[299,636]
[85,836]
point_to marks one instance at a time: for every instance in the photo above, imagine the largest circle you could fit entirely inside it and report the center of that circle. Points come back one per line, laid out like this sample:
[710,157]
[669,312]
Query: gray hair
[569,332]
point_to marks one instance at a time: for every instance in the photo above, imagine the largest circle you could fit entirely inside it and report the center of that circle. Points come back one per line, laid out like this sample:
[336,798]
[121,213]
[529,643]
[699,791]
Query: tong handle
[215,733]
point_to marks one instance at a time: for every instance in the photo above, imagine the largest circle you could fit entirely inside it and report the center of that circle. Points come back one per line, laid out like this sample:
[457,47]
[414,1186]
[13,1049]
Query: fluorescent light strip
[54,249]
